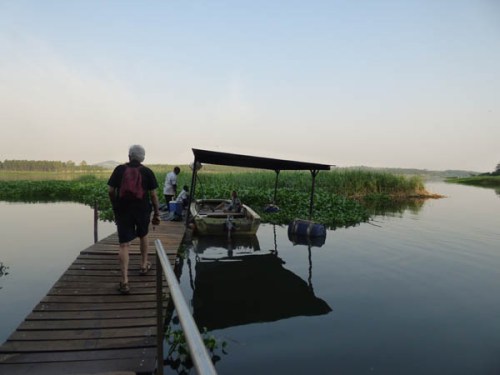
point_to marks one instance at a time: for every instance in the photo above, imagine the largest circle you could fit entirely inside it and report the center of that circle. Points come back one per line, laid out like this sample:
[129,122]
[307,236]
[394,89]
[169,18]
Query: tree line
[496,172]
[46,166]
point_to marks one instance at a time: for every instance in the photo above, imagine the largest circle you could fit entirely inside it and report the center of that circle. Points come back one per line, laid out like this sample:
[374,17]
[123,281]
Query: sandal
[144,271]
[124,288]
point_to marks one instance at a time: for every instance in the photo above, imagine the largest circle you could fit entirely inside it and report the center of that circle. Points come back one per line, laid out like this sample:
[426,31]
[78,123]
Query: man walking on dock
[132,191]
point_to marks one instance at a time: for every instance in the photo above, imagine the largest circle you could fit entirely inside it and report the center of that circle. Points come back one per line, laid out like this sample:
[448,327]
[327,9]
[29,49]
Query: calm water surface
[409,293]
[37,243]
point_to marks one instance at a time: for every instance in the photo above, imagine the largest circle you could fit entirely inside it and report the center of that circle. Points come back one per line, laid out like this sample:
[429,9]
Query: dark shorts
[168,198]
[132,224]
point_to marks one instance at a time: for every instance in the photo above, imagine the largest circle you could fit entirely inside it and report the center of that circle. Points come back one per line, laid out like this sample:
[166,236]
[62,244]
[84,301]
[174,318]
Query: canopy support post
[314,173]
[276,185]
[192,190]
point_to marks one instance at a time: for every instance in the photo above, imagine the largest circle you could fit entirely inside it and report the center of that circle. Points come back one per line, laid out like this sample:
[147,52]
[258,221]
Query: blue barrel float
[306,228]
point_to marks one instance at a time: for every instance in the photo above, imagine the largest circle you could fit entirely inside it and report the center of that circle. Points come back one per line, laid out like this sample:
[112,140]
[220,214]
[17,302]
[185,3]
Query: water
[410,293]
[37,243]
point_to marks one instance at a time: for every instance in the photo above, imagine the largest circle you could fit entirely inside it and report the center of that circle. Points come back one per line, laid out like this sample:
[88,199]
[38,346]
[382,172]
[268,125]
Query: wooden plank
[111,278]
[85,324]
[70,345]
[89,355]
[101,367]
[112,256]
[108,285]
[90,291]
[96,306]
[83,334]
[102,265]
[101,299]
[94,314]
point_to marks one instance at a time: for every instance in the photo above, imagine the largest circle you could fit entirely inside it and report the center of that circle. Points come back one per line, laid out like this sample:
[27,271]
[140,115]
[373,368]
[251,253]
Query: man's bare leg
[124,260]
[144,252]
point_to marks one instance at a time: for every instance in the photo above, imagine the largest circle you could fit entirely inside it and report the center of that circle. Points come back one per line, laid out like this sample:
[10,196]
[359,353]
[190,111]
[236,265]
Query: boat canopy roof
[238,160]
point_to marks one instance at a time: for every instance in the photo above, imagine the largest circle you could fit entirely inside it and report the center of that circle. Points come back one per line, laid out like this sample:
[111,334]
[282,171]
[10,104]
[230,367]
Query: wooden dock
[84,325]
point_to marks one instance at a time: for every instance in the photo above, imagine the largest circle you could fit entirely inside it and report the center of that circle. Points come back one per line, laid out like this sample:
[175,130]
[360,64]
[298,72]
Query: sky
[400,83]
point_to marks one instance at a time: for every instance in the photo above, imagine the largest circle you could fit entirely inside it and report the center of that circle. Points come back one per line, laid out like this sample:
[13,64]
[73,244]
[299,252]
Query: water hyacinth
[342,197]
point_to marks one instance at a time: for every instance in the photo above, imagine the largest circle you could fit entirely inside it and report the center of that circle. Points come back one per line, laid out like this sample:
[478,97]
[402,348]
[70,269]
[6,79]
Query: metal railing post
[159,316]
[199,354]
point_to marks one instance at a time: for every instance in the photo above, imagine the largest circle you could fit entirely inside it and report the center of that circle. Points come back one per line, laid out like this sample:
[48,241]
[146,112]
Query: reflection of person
[183,196]
[233,206]
[132,215]
[170,188]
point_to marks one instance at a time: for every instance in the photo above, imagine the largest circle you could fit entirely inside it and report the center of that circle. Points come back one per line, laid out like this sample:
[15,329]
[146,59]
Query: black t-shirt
[148,183]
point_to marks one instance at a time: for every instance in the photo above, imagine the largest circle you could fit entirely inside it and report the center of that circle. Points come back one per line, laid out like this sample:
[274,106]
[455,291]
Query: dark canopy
[237,160]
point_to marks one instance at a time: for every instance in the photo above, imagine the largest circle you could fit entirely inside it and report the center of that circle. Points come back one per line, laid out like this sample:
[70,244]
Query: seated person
[183,197]
[233,206]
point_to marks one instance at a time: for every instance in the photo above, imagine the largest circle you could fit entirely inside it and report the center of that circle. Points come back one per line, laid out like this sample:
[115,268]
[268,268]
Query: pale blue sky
[378,83]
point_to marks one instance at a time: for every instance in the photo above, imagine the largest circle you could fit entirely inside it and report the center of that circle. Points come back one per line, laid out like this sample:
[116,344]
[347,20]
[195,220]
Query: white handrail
[199,355]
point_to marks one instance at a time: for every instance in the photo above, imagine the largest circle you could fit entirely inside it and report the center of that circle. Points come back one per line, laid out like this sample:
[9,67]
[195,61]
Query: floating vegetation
[342,197]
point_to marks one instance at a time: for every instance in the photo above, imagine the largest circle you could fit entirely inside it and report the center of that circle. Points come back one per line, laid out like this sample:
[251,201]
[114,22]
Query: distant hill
[110,164]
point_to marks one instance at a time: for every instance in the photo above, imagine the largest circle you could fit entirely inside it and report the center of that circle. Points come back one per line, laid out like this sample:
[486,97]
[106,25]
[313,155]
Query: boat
[210,220]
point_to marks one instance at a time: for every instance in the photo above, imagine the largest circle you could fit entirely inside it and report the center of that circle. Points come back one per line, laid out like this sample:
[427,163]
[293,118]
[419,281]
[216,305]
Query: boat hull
[211,221]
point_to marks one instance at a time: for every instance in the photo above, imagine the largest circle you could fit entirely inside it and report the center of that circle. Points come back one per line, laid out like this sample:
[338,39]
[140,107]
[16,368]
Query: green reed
[342,197]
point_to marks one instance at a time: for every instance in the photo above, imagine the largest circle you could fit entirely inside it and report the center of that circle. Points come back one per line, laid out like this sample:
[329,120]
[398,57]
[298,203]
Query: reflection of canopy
[249,289]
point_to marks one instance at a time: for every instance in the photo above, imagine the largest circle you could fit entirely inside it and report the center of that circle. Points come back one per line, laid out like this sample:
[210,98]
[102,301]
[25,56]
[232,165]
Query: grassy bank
[342,197]
[485,181]
[49,176]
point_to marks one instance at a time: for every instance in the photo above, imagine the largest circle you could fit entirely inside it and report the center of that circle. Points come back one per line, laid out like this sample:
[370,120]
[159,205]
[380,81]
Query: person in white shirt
[183,196]
[170,188]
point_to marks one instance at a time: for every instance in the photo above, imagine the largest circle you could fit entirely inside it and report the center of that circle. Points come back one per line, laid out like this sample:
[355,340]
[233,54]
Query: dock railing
[199,354]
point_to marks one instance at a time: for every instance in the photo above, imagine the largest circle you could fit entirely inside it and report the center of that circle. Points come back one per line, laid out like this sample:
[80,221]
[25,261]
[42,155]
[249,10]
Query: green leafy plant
[179,358]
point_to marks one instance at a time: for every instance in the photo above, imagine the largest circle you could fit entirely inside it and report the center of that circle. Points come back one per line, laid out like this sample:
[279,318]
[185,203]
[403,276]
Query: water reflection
[394,208]
[217,247]
[309,242]
[236,284]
